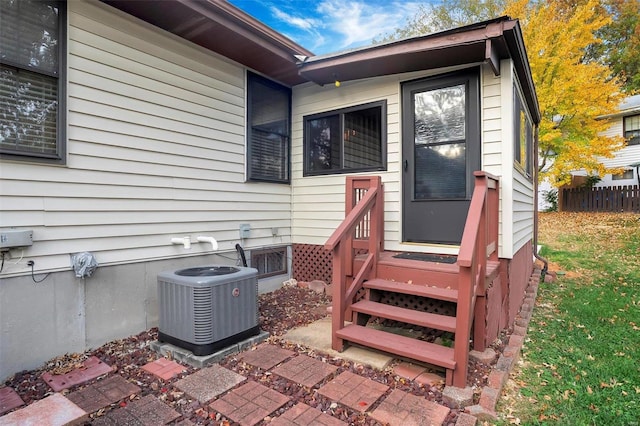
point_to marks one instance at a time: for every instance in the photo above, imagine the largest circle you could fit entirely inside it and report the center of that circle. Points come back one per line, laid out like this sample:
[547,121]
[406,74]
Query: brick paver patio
[100,394]
[353,391]
[147,411]
[52,410]
[403,409]
[303,415]
[9,399]
[249,404]
[91,368]
[209,382]
[305,370]
[164,368]
[266,356]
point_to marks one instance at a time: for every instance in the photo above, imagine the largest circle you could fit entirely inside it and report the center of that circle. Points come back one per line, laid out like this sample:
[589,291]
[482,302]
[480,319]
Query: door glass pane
[439,150]
[440,171]
[439,115]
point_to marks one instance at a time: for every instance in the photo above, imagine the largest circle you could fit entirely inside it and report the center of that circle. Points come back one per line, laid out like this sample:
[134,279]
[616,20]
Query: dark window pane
[29,35]
[268,130]
[350,139]
[269,150]
[28,111]
[324,143]
[362,136]
[440,171]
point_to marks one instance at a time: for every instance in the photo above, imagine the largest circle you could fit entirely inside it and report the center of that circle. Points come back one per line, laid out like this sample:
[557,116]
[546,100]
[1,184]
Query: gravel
[281,310]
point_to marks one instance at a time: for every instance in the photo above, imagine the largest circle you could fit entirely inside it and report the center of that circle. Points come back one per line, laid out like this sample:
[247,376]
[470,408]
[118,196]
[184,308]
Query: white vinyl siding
[156,149]
[493,149]
[521,187]
[625,156]
[622,158]
[522,210]
[318,201]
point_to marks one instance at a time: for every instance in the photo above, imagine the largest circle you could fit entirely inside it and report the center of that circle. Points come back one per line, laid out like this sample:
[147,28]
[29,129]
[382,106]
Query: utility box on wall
[13,238]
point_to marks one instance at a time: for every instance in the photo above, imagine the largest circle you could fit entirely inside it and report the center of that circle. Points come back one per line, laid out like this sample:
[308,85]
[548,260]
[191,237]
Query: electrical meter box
[12,238]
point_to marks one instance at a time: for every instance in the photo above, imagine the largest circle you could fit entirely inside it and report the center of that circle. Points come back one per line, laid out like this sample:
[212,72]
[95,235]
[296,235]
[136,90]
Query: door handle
[406,165]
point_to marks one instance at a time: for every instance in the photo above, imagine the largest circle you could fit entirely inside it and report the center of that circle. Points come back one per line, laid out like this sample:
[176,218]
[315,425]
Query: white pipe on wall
[210,240]
[185,241]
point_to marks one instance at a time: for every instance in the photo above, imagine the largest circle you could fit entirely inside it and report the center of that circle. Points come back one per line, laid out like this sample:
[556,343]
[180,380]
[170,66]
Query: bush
[551,197]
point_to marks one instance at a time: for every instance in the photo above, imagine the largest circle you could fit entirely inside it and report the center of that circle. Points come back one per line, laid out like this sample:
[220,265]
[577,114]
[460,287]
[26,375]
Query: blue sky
[330,25]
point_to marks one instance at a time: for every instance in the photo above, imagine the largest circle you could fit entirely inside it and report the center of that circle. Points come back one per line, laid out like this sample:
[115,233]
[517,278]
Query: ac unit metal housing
[207,308]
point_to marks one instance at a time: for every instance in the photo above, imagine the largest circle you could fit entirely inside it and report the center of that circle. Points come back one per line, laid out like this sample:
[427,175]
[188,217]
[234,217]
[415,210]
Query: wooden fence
[609,199]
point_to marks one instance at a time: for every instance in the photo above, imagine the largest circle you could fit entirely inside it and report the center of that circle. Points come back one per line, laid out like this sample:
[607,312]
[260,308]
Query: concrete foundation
[187,357]
[64,314]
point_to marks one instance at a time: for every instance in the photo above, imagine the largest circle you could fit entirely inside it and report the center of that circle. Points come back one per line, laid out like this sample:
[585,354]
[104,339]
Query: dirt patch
[559,270]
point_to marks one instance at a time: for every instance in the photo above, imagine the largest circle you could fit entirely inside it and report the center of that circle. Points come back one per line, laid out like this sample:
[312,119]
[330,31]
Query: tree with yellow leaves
[572,92]
[573,88]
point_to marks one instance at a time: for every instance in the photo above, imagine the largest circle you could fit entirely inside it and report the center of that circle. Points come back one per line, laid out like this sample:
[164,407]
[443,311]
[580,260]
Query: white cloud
[333,25]
[359,21]
[308,25]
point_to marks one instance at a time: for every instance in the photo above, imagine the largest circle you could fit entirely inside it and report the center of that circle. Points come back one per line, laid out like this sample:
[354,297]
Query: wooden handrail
[479,242]
[350,222]
[484,182]
[368,214]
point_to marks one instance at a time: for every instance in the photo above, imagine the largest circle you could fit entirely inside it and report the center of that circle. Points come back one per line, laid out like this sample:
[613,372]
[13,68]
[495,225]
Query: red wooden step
[438,293]
[399,345]
[410,316]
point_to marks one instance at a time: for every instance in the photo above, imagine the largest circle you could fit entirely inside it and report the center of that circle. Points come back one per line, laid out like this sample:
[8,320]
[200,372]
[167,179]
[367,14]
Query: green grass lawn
[581,361]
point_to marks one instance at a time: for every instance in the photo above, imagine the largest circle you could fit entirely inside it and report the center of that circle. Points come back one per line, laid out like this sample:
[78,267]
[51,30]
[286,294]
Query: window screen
[268,130]
[348,140]
[32,35]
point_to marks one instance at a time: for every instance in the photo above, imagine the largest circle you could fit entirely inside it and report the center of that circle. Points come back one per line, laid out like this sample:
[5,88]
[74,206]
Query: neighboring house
[626,123]
[130,124]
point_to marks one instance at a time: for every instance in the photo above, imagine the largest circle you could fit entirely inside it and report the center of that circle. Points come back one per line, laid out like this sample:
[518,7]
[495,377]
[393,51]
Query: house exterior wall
[519,272]
[156,150]
[622,158]
[318,201]
[517,189]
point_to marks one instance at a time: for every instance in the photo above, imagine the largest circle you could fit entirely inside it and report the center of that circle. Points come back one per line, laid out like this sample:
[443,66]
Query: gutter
[545,262]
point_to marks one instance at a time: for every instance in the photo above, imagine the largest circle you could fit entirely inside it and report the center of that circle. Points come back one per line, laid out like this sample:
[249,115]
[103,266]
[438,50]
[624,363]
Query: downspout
[545,262]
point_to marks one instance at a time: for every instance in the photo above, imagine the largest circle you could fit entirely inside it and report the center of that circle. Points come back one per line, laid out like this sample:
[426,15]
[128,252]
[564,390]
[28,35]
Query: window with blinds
[32,36]
[268,130]
[346,141]
[632,129]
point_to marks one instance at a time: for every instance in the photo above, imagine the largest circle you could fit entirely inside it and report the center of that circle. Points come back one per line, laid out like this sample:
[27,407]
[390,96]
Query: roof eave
[221,27]
[406,55]
[482,42]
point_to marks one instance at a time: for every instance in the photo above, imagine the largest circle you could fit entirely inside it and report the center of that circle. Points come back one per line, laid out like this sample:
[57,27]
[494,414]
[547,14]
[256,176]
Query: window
[268,128]
[269,262]
[523,135]
[632,129]
[32,67]
[348,140]
[627,174]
